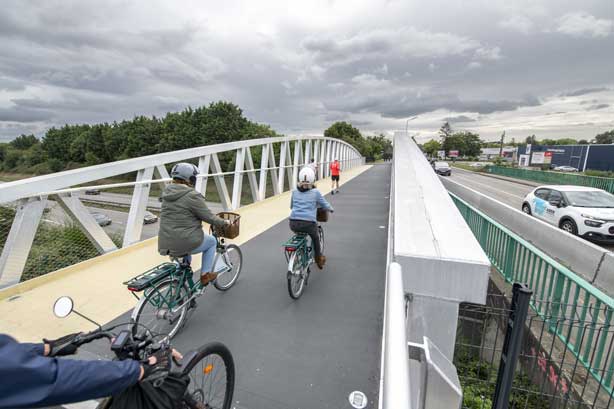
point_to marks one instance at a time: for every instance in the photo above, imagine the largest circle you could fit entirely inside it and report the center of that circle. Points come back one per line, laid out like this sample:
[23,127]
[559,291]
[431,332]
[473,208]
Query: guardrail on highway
[23,202]
[558,293]
[554,178]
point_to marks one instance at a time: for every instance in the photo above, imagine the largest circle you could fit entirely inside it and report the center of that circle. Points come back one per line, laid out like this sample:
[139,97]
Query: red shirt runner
[334,168]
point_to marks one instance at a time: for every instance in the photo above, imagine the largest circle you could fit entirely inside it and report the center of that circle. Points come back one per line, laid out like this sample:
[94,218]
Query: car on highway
[442,168]
[149,218]
[478,164]
[101,218]
[92,192]
[584,211]
[565,169]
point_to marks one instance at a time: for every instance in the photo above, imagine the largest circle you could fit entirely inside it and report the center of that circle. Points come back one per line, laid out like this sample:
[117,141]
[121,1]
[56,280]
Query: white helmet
[306,175]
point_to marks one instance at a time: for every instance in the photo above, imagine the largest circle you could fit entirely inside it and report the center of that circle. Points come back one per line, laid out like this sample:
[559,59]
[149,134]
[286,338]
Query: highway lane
[508,192]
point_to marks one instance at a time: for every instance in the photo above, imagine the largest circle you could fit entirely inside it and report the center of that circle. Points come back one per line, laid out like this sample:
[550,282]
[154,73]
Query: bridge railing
[30,237]
[554,178]
[579,314]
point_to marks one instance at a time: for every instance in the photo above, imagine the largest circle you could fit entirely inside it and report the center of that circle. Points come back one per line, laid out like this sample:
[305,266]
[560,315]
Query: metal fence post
[521,295]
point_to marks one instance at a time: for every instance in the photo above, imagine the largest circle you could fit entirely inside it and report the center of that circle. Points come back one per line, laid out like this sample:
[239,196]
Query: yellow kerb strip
[96,286]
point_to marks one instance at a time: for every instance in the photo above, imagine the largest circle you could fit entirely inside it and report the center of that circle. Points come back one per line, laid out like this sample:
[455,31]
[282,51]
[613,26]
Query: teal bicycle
[300,256]
[170,289]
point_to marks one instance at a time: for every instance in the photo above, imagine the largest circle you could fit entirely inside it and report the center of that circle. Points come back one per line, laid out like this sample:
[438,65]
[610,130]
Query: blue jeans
[207,247]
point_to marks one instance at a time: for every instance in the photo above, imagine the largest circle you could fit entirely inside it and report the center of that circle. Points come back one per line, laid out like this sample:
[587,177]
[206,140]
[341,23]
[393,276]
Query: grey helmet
[185,171]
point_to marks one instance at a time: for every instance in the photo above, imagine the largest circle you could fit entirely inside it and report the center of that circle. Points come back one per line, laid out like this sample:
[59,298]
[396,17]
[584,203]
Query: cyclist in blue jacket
[32,376]
[304,203]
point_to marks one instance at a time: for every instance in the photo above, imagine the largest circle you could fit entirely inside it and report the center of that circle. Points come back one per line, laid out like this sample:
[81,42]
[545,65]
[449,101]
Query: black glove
[62,346]
[161,368]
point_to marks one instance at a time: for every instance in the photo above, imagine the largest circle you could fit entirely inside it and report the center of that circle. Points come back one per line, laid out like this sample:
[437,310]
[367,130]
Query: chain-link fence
[548,374]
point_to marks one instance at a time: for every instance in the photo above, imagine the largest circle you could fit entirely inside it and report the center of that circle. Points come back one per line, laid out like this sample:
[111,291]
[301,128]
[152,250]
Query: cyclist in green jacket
[183,211]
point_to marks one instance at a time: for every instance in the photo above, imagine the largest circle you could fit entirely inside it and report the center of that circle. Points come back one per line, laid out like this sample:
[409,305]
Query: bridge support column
[220,182]
[237,184]
[19,240]
[203,168]
[322,166]
[140,196]
[88,225]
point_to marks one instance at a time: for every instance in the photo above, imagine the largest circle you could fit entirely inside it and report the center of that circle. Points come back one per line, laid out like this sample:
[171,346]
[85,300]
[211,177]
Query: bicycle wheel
[321,236]
[234,260]
[295,276]
[153,310]
[212,376]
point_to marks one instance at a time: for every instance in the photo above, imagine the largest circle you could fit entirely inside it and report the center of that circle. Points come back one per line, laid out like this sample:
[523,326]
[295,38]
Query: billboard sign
[441,154]
[541,158]
[537,158]
[453,154]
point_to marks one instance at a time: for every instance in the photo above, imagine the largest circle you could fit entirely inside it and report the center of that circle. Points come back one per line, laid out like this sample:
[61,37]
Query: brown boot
[320,261]
[207,278]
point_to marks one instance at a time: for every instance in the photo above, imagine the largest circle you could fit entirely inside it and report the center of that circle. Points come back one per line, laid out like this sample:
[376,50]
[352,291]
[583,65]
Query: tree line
[73,146]
[79,145]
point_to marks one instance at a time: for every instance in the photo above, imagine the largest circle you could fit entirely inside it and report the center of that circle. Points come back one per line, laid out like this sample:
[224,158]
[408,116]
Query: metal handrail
[396,380]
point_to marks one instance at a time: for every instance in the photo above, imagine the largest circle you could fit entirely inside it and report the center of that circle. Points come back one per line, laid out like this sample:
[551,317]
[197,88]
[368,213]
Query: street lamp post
[407,122]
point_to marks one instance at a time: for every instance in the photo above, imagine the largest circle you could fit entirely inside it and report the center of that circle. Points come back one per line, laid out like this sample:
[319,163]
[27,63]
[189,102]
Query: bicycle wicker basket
[230,231]
[322,215]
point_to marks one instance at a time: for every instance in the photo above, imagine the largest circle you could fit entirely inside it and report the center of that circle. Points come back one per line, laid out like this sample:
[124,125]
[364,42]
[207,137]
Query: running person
[335,169]
[304,203]
[183,211]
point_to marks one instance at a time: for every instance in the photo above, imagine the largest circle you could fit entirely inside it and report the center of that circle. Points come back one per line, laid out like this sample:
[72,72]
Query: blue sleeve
[322,202]
[42,381]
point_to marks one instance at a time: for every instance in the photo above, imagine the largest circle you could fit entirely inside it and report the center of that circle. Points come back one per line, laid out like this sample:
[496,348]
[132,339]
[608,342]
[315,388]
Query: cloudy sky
[536,66]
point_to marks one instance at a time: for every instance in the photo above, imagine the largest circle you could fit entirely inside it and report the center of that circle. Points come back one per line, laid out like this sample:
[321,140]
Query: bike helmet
[186,172]
[306,176]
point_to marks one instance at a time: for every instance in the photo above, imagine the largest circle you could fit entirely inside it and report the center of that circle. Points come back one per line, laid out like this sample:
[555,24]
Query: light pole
[407,122]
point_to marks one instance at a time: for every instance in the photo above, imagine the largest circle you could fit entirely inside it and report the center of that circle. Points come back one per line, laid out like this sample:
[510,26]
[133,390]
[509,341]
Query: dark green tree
[605,138]
[531,139]
[24,141]
[431,147]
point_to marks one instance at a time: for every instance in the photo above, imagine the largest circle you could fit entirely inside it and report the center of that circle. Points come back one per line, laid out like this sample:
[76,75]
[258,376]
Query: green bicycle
[170,290]
[300,256]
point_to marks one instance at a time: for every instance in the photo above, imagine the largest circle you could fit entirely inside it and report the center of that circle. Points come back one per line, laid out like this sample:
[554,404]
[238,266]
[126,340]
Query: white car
[565,169]
[580,210]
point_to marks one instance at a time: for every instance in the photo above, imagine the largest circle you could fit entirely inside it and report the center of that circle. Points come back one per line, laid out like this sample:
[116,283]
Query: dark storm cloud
[597,107]
[402,106]
[18,114]
[584,91]
[458,119]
